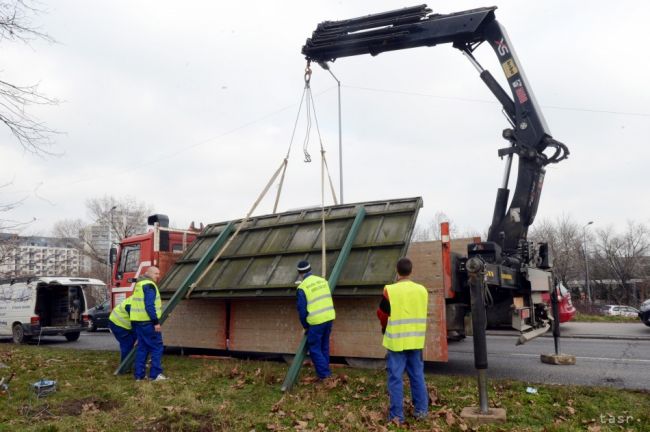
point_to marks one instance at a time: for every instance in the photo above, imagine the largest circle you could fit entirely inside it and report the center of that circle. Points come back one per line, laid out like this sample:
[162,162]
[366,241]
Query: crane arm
[416,27]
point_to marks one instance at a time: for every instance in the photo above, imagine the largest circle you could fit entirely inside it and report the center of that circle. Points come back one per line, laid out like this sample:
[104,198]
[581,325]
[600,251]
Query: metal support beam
[184,287]
[475,270]
[294,369]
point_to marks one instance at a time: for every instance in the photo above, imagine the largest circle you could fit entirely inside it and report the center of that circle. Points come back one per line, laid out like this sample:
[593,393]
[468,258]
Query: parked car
[567,310]
[620,310]
[644,312]
[43,306]
[97,317]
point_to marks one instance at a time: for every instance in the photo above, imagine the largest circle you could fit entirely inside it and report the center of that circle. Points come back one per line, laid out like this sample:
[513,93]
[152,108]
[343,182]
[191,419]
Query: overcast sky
[189,106]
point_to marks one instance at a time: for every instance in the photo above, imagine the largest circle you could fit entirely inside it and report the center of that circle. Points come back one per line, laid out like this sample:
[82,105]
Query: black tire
[92,325]
[647,322]
[71,337]
[18,334]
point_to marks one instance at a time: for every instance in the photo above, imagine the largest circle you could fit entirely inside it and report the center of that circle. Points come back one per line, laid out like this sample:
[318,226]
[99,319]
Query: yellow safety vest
[320,307]
[119,316]
[407,323]
[138,311]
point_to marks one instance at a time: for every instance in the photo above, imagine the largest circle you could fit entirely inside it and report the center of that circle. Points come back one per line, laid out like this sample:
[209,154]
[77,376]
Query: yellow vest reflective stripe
[320,307]
[119,316]
[407,323]
[138,311]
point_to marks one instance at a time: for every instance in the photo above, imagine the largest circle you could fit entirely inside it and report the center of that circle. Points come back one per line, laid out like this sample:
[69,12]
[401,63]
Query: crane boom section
[416,27]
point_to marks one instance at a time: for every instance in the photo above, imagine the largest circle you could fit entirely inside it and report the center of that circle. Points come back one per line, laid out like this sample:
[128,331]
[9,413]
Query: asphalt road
[607,354]
[621,363]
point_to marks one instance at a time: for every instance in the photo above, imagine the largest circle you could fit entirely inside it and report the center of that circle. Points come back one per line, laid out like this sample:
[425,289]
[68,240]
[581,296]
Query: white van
[43,306]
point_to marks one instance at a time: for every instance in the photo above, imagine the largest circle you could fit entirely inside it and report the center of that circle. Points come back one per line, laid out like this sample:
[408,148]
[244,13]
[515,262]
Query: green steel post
[294,369]
[185,285]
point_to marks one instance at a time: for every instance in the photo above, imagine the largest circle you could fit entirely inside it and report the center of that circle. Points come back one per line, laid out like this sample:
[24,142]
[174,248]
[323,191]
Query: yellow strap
[239,228]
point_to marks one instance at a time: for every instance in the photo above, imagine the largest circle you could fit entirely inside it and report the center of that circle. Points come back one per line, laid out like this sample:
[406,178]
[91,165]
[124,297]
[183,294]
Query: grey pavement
[594,330]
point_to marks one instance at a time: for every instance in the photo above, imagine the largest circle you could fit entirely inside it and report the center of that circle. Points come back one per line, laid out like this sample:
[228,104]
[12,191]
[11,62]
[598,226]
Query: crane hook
[308,73]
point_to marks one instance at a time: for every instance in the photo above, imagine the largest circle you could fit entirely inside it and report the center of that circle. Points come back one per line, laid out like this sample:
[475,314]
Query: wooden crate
[272,325]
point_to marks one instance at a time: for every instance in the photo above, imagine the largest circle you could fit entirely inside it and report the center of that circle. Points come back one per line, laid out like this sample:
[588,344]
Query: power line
[492,102]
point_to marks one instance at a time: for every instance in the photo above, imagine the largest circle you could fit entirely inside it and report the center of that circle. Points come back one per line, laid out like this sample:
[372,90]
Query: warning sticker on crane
[510,68]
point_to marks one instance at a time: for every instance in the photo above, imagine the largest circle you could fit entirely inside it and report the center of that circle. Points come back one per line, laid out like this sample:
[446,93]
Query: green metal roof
[261,260]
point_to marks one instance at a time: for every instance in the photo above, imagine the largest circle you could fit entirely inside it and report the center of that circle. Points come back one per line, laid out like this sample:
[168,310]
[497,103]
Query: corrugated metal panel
[261,260]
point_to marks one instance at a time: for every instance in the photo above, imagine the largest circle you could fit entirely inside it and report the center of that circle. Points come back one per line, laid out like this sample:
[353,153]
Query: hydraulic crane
[504,277]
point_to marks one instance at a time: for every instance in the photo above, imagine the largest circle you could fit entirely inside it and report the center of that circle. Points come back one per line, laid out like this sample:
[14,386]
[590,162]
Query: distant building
[39,256]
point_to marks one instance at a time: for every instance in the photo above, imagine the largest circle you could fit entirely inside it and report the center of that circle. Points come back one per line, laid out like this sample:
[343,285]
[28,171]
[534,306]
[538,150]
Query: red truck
[159,246]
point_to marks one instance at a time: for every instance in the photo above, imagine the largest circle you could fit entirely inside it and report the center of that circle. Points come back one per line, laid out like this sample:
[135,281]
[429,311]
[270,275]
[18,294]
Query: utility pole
[584,249]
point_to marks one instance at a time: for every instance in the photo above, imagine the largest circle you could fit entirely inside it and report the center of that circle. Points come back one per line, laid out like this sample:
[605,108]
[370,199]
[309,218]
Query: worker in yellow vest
[119,323]
[403,316]
[146,310]
[316,313]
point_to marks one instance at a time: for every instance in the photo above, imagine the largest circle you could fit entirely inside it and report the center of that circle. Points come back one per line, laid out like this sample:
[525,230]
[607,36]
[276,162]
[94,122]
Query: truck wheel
[71,337]
[18,333]
[92,325]
[647,322]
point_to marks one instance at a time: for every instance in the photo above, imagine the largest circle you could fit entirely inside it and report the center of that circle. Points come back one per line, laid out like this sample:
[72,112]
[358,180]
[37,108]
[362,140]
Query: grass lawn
[240,395]
[581,317]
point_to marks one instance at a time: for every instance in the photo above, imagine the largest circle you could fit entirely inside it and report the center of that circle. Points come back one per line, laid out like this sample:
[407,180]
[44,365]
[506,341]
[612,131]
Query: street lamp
[584,249]
[110,242]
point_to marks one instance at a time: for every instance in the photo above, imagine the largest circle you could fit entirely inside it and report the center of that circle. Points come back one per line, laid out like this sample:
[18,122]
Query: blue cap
[303,266]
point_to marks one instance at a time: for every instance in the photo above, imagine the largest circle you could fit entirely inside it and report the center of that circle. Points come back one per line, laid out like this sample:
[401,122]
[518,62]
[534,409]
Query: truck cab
[160,246]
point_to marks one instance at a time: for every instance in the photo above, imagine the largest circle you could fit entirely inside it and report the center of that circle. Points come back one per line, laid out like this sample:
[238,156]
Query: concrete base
[473,415]
[558,359]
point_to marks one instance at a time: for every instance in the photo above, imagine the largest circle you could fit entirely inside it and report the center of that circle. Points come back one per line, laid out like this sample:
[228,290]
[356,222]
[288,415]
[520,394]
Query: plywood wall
[272,326]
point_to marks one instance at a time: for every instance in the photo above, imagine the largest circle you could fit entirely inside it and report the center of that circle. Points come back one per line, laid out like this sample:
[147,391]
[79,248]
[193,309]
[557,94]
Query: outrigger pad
[558,359]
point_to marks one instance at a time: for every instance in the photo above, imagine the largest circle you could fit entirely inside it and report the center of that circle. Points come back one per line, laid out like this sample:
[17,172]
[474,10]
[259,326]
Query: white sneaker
[160,377]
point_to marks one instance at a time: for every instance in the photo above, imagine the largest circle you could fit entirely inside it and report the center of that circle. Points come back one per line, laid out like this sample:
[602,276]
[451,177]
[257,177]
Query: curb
[575,336]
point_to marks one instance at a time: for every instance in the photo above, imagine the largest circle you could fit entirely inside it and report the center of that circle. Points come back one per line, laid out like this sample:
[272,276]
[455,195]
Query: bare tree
[123,217]
[563,238]
[430,230]
[622,259]
[15,100]
[8,249]
[32,134]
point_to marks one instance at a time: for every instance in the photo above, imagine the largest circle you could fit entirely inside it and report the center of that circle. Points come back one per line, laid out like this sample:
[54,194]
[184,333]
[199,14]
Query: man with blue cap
[316,312]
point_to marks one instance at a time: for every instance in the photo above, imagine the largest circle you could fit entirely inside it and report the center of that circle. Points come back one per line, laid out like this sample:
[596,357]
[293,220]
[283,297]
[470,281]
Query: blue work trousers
[126,339]
[318,340]
[396,363]
[149,342]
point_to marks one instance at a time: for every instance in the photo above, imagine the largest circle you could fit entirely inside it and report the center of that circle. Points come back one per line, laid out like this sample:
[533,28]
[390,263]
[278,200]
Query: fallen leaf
[301,425]
[449,418]
[571,410]
[239,384]
[276,406]
[433,395]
